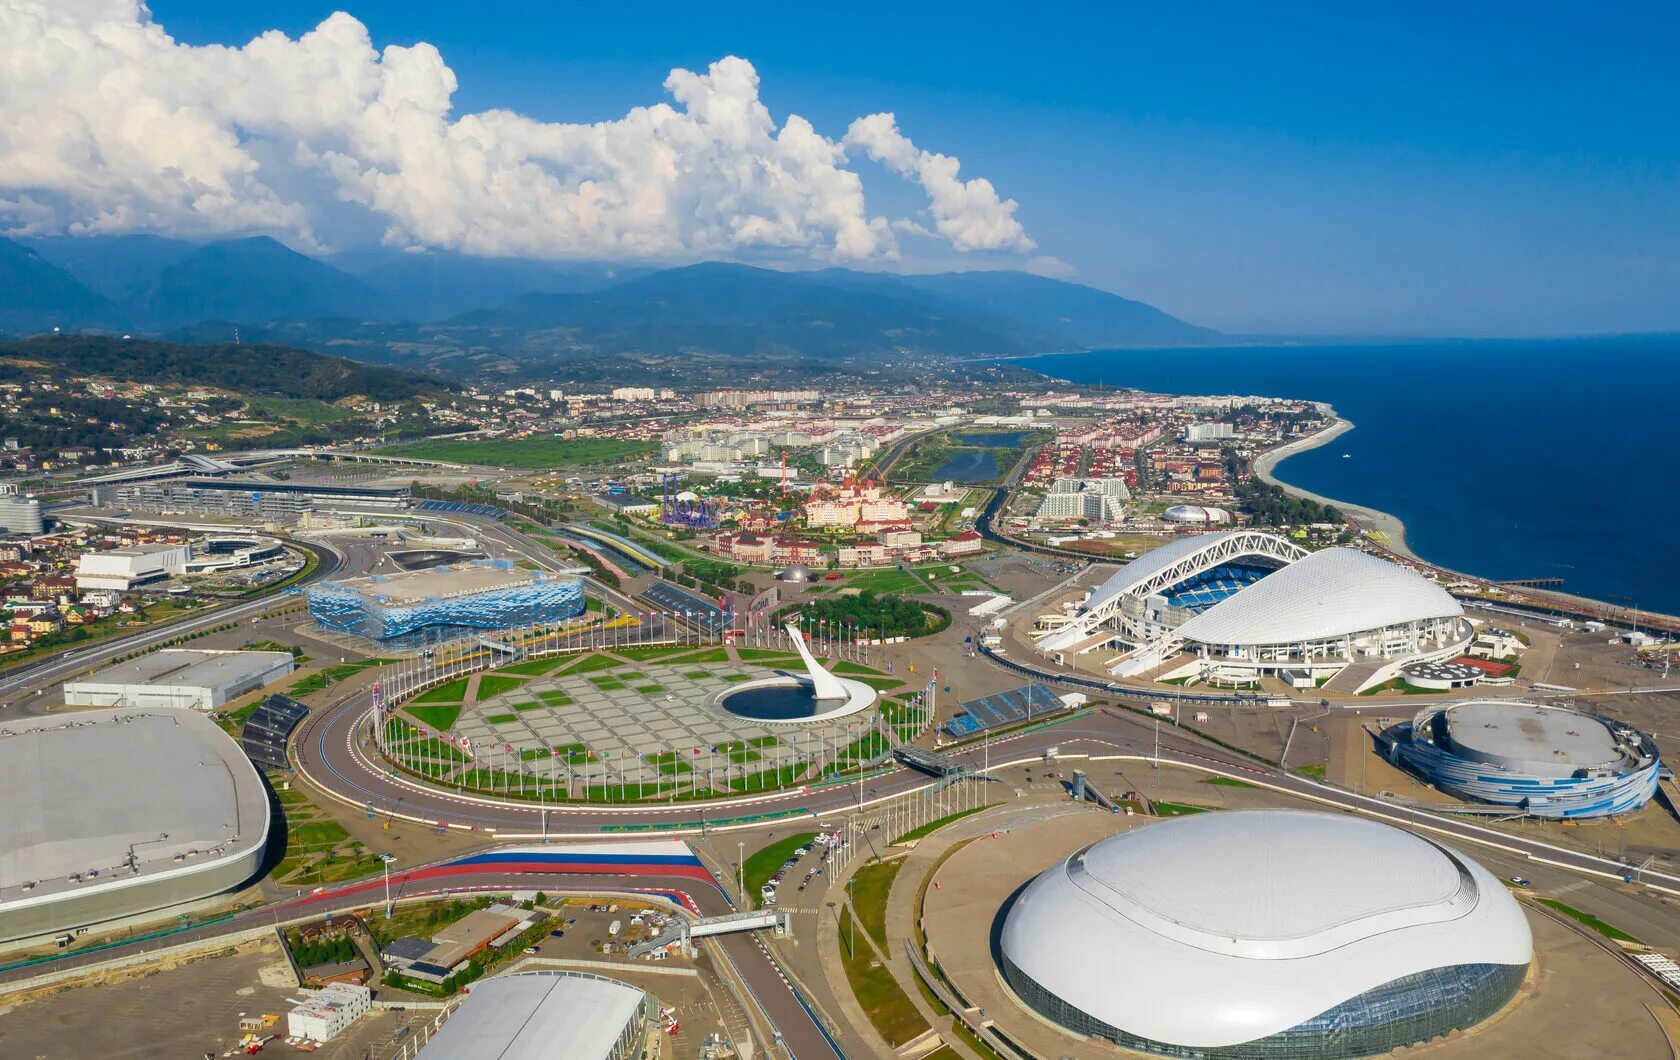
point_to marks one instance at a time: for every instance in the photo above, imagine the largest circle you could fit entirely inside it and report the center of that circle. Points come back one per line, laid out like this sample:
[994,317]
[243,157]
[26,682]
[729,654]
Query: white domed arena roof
[1225,927]
[1327,594]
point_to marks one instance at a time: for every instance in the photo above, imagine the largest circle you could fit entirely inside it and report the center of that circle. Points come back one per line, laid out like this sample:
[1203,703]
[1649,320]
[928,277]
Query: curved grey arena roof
[117,796]
[1332,593]
[1222,928]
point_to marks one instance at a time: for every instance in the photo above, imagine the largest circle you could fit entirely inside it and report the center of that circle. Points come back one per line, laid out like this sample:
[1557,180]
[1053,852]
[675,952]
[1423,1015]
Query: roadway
[771,990]
[53,669]
[334,754]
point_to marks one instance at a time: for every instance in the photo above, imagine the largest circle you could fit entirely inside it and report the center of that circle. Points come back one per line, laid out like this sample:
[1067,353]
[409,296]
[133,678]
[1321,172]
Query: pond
[968,465]
[1007,440]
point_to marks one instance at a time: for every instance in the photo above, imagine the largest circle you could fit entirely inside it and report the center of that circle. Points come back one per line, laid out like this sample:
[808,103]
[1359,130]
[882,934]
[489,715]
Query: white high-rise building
[19,514]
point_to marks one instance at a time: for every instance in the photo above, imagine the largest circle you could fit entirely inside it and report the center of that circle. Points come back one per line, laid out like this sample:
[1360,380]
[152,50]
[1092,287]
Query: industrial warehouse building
[125,568]
[1547,760]
[1265,933]
[1236,606]
[114,814]
[479,594]
[545,1016]
[190,678]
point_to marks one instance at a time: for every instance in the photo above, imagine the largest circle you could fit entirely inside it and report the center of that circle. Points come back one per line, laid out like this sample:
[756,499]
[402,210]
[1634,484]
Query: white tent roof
[1328,594]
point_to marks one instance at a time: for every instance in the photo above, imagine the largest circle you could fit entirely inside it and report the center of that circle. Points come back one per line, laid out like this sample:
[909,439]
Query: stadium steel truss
[1167,566]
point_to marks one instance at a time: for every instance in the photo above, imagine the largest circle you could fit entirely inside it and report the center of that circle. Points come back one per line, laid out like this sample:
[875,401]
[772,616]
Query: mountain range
[475,316]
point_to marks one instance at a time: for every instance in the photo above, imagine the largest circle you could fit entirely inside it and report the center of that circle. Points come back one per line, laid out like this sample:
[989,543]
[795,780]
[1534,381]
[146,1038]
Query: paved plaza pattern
[647,719]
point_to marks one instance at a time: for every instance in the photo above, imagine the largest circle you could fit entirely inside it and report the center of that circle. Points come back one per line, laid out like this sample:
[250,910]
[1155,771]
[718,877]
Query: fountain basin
[790,699]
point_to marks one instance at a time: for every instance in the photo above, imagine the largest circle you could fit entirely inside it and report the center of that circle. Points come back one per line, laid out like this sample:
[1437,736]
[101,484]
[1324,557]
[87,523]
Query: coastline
[1384,529]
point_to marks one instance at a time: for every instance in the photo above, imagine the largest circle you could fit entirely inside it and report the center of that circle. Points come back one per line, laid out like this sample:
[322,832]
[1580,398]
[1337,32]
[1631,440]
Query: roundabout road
[334,753]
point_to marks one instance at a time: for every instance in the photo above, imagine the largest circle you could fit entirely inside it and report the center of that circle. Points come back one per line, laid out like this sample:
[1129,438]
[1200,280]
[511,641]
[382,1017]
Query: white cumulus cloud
[968,213]
[108,124]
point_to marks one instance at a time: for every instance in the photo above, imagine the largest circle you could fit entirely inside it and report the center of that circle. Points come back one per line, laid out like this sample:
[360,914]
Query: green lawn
[761,864]
[501,719]
[319,834]
[846,666]
[1616,934]
[532,705]
[877,992]
[870,885]
[1227,782]
[1177,809]
[525,452]
[537,667]
[709,655]
[765,654]
[886,582]
[437,717]
[453,692]
[555,699]
[656,651]
[591,663]
[495,684]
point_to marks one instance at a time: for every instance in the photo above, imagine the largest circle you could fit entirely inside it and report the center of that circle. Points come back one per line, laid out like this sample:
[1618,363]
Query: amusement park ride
[678,507]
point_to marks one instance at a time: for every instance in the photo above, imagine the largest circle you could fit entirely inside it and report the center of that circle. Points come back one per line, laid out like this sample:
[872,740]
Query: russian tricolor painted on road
[646,857]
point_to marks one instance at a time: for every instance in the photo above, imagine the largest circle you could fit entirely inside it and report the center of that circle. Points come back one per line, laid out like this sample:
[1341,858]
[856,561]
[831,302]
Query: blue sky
[1295,168]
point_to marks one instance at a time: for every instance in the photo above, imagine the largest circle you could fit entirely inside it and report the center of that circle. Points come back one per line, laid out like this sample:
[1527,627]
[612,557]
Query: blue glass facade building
[362,609]
[1542,783]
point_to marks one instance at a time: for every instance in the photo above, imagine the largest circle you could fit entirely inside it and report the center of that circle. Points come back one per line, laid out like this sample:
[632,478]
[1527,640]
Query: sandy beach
[1381,527]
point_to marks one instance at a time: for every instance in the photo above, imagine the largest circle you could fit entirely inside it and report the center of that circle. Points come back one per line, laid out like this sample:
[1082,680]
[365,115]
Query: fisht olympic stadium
[1235,606]
[478,594]
[114,814]
[1547,760]
[1265,933]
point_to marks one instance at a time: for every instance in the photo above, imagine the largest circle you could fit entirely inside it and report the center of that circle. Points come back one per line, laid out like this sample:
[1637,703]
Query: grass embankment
[762,864]
[1615,934]
[1178,809]
[889,1008]
[869,889]
[1227,782]
[525,452]
[331,675]
[934,826]
[318,849]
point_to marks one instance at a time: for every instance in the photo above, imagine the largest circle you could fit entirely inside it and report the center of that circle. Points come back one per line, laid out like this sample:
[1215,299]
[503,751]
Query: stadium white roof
[536,1016]
[1331,593]
[86,791]
[1221,928]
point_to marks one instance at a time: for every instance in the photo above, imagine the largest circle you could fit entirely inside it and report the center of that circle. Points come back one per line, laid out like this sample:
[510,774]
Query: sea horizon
[1504,458]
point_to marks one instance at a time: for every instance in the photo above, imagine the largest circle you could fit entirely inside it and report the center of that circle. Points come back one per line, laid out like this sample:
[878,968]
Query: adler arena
[1344,938]
[479,594]
[1549,761]
[113,814]
[1242,604]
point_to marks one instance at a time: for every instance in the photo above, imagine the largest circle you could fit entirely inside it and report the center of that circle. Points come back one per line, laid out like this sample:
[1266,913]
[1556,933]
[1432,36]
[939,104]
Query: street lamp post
[741,870]
[386,859]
